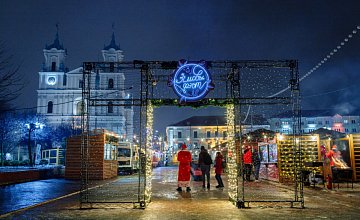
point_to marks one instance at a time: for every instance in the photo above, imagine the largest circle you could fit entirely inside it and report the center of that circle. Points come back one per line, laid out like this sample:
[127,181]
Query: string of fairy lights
[325,59]
[288,161]
[232,165]
[232,154]
[148,166]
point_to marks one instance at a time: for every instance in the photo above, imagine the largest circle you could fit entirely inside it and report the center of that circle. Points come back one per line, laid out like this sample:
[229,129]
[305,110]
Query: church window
[110,107]
[80,108]
[111,84]
[112,67]
[53,66]
[64,80]
[97,80]
[50,107]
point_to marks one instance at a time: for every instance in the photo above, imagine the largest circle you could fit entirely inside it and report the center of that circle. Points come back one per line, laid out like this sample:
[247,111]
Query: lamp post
[31,127]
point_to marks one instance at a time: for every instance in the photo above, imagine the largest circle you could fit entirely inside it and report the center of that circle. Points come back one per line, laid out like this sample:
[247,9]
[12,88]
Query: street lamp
[32,127]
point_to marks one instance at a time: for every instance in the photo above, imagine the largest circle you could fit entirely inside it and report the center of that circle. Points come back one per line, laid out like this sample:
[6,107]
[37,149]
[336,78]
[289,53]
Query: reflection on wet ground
[131,189]
[17,196]
[167,203]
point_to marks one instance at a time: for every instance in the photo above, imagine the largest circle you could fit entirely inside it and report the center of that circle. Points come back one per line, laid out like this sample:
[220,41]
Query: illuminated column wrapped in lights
[231,163]
[148,166]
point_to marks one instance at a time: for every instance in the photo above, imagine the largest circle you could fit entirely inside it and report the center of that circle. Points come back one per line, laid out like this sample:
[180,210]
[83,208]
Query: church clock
[51,80]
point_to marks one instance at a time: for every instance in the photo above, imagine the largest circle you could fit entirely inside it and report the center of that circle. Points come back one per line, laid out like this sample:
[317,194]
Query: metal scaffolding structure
[149,75]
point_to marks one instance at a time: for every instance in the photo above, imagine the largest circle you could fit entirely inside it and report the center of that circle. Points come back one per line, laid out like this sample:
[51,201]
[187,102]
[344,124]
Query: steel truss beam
[210,101]
[231,77]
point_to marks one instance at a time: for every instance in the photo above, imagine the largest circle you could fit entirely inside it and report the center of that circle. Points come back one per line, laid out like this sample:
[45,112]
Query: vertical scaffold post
[296,110]
[85,133]
[235,81]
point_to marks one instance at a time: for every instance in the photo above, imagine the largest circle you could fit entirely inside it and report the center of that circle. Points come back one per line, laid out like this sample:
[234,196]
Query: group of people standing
[251,159]
[205,162]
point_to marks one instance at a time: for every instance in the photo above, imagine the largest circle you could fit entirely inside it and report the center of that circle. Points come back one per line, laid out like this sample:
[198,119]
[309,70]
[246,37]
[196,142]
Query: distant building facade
[60,92]
[314,119]
[207,131]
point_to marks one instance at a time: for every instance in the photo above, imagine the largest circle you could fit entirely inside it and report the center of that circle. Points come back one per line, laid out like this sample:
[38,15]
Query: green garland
[111,139]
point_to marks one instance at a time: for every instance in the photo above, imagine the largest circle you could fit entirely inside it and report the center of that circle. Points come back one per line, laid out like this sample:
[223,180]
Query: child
[219,169]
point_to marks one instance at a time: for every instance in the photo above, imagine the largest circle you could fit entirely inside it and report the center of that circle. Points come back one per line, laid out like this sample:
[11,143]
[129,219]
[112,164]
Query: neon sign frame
[191,81]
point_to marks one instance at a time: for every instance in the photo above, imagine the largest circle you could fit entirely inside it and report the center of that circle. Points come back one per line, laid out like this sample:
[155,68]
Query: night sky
[194,30]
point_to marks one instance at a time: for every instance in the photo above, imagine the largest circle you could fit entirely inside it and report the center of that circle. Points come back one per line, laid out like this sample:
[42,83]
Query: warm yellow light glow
[148,166]
[232,166]
[281,137]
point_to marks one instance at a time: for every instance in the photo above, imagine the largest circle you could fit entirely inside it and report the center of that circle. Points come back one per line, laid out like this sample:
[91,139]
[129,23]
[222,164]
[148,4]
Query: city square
[209,114]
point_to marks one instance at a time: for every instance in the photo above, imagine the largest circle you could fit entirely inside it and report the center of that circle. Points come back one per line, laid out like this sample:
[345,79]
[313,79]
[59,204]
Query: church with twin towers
[60,92]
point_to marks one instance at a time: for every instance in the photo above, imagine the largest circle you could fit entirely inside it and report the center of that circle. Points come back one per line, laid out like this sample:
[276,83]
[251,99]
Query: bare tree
[11,82]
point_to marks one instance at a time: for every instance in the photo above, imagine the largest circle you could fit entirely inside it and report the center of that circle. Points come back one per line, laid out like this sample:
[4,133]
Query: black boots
[179,189]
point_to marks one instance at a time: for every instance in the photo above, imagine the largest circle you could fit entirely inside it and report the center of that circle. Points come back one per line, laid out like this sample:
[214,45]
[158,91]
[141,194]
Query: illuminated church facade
[60,92]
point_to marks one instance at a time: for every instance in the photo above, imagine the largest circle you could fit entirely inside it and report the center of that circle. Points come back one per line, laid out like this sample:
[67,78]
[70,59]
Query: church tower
[54,56]
[60,91]
[52,77]
[112,52]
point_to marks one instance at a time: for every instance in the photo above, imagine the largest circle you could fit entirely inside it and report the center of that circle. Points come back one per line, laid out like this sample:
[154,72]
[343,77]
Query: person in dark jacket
[256,162]
[247,159]
[205,164]
[219,169]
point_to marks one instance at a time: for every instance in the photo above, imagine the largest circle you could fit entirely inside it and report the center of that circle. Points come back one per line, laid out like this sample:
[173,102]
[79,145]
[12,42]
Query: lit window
[208,134]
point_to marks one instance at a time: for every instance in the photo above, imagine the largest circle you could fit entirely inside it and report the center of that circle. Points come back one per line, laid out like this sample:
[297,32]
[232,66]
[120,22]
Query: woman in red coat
[184,158]
[247,162]
[219,169]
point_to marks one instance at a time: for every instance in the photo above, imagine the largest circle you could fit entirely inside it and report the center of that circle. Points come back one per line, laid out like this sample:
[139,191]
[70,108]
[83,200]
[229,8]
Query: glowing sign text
[191,82]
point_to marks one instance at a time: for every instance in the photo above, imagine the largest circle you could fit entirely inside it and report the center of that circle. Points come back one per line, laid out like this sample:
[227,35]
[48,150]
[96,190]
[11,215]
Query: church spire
[112,52]
[54,55]
[112,42]
[57,45]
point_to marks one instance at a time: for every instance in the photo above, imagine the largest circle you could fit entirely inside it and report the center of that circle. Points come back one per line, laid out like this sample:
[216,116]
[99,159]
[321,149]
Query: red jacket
[218,165]
[247,156]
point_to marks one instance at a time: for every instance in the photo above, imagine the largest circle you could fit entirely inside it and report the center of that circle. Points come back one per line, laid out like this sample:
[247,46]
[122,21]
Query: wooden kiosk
[309,145]
[102,161]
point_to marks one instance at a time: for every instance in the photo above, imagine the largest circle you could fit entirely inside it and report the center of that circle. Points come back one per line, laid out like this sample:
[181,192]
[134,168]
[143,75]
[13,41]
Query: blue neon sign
[191,81]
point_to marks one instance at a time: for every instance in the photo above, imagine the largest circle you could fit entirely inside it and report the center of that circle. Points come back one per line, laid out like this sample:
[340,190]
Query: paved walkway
[166,203]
